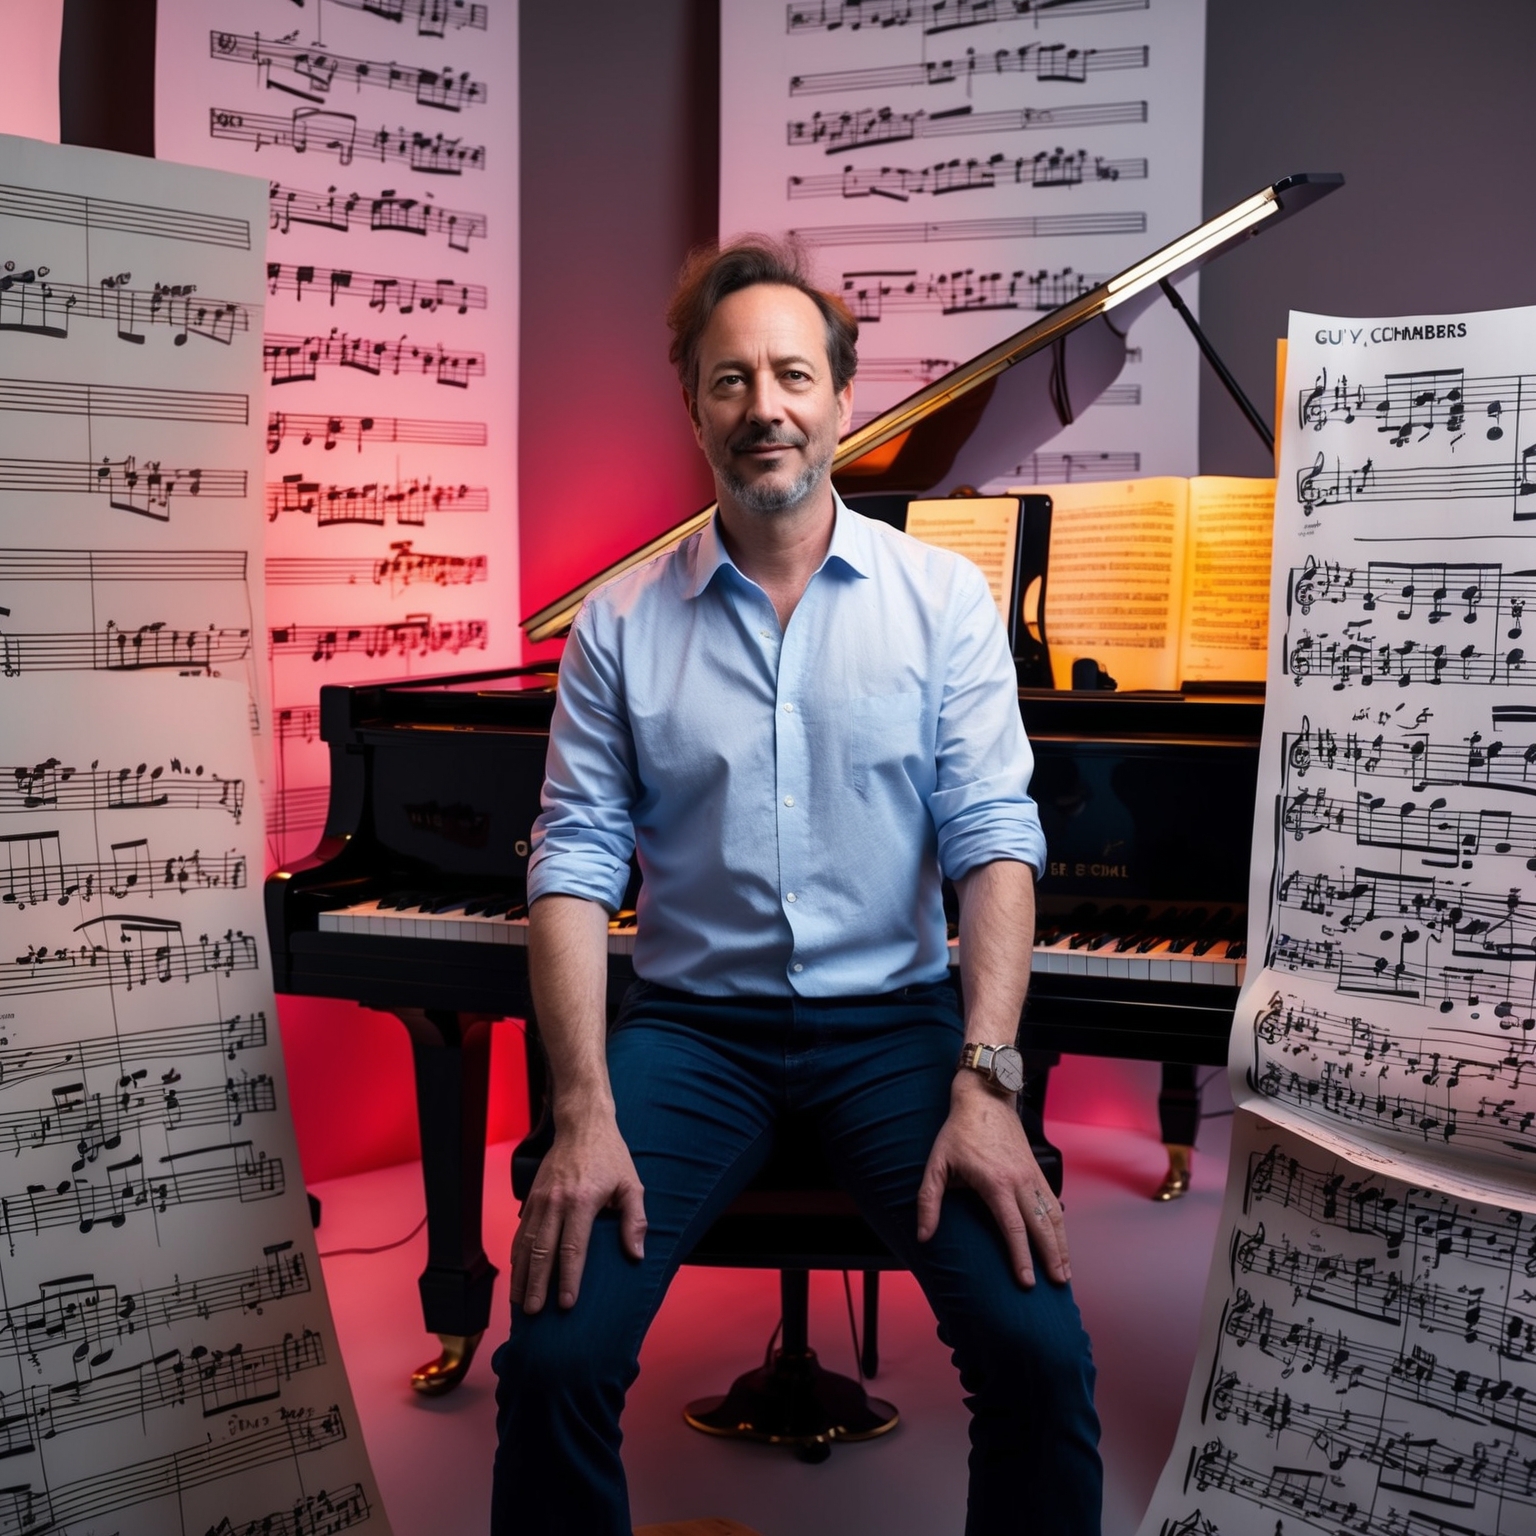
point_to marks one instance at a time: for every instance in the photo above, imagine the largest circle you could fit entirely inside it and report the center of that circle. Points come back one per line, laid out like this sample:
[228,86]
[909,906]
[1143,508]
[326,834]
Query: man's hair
[713,272]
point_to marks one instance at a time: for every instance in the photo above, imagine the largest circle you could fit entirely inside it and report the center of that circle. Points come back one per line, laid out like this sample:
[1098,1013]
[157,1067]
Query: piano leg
[1178,1114]
[452,1054]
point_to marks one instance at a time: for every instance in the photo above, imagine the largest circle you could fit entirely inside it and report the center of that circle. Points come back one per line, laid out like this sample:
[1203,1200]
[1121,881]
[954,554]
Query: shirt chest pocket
[888,743]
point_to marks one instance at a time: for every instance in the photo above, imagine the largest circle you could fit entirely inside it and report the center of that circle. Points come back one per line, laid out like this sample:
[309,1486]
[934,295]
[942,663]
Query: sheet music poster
[167,1359]
[1368,1362]
[387,132]
[958,167]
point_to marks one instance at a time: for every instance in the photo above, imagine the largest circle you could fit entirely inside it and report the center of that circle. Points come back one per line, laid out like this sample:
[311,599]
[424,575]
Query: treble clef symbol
[1304,585]
[1310,411]
[1298,755]
[1309,493]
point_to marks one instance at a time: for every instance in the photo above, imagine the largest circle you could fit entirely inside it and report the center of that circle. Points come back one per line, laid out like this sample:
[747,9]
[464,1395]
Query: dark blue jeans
[701,1085]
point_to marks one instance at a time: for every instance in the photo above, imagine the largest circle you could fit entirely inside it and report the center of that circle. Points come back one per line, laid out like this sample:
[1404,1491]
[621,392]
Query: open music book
[1162,581]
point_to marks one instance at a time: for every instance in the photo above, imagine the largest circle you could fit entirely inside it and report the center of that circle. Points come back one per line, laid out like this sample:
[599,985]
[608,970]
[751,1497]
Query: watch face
[1008,1068]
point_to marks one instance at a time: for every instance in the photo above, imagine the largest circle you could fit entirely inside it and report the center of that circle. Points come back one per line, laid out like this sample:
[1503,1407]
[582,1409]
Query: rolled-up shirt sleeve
[981,806]
[584,836]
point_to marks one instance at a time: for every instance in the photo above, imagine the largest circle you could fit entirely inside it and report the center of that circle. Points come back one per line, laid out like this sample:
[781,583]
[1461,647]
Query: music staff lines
[122,565]
[34,871]
[299,809]
[432,17]
[298,359]
[1069,468]
[403,294]
[136,960]
[861,127]
[1047,62]
[931,17]
[1322,486]
[403,567]
[237,1173]
[56,786]
[1447,838]
[216,1380]
[1348,1364]
[417,634]
[1045,226]
[387,212]
[114,1054]
[329,431]
[314,1513]
[91,1122]
[310,73]
[129,484]
[33,303]
[966,291]
[23,1508]
[309,130]
[55,207]
[945,177]
[93,1318]
[1407,407]
[155,646]
[373,502]
[1474,762]
[296,722]
[128,401]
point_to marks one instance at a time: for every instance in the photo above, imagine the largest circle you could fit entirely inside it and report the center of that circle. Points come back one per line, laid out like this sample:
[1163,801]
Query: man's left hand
[983,1146]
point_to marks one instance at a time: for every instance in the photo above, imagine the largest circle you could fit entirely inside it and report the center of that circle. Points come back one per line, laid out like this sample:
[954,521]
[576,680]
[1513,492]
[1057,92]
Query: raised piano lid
[977,422]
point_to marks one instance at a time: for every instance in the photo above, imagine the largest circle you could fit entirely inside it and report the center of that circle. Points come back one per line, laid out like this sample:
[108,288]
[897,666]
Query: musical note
[1026,227]
[329,431]
[296,722]
[1319,487]
[55,206]
[1046,169]
[124,400]
[404,294]
[309,129]
[297,359]
[1045,61]
[870,295]
[403,567]
[414,635]
[383,213]
[864,126]
[311,72]
[34,303]
[932,16]
[407,502]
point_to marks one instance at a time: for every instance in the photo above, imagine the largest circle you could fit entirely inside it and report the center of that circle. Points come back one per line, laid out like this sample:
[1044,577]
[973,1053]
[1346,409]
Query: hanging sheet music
[957,170]
[1368,1348]
[388,134]
[167,1359]
[1367,1361]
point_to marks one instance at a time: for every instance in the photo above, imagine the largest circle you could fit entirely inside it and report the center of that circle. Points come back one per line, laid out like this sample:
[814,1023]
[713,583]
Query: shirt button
[789,799]
[789,709]
[791,897]
[765,634]
[798,966]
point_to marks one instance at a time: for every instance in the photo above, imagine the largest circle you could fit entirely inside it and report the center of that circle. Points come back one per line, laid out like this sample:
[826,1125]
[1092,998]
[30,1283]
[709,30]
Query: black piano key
[486,906]
[1237,949]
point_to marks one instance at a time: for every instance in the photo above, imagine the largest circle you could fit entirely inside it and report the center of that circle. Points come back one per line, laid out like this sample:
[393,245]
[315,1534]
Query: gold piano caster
[449,1369]
[1175,1183]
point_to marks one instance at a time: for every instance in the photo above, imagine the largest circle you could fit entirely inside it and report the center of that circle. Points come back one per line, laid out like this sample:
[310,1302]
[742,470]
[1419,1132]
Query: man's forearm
[997,935]
[568,969]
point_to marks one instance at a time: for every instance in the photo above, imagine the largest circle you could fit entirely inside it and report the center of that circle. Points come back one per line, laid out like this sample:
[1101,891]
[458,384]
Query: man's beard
[759,495]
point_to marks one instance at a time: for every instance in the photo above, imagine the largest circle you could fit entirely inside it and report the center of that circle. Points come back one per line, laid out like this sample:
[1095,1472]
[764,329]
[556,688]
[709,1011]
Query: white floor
[1139,1270]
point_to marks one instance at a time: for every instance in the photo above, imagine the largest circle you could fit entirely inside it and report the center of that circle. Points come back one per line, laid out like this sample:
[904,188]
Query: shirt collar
[850,547]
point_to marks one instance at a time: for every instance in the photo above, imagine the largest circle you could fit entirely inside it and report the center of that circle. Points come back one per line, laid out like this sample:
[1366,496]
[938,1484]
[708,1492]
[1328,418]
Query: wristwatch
[1001,1065]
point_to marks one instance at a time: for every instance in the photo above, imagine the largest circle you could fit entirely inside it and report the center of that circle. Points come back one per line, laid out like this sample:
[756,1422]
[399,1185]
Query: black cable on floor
[399,1242]
[858,1354]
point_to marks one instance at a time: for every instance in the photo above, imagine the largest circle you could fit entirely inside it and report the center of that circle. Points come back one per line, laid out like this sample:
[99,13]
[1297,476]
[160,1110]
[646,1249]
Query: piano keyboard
[1190,947]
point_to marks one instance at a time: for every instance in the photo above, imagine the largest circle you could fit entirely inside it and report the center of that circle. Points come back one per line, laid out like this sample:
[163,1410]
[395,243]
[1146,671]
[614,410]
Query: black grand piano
[413,900]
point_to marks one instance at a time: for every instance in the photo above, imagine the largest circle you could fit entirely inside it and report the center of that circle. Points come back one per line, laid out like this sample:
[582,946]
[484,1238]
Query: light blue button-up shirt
[795,795]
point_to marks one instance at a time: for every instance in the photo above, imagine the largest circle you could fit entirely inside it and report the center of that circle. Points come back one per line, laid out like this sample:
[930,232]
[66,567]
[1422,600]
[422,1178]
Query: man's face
[766,414]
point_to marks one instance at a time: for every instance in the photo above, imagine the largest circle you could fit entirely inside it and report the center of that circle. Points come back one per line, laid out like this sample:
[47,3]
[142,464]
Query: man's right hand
[587,1170]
